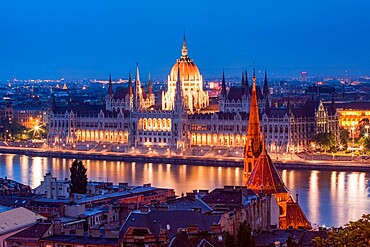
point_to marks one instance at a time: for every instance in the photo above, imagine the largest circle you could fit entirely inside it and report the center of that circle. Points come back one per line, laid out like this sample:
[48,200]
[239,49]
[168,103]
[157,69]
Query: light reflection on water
[327,197]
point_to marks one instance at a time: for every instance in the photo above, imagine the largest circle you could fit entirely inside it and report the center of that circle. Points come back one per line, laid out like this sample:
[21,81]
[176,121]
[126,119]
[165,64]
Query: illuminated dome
[188,70]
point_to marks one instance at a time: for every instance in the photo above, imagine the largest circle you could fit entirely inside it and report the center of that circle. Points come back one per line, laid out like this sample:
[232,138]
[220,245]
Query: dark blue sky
[77,39]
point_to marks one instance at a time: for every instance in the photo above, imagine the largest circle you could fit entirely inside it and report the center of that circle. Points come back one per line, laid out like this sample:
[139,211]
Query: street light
[367,130]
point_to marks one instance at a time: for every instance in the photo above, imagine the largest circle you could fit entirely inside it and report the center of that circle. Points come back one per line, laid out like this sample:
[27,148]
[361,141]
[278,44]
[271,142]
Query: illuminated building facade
[195,97]
[131,118]
[352,113]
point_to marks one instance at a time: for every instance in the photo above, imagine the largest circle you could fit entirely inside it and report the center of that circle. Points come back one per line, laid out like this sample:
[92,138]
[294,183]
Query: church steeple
[254,140]
[223,86]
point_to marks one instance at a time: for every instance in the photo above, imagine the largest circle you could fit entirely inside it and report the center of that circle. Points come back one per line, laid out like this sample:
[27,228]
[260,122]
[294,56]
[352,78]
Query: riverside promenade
[313,162]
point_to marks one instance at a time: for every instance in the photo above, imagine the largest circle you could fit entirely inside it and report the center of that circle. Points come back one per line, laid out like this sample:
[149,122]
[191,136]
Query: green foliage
[78,177]
[326,141]
[244,236]
[355,233]
[14,131]
[365,142]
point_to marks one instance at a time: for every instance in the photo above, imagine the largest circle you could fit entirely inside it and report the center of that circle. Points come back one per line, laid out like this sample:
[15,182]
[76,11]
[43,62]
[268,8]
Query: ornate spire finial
[184,51]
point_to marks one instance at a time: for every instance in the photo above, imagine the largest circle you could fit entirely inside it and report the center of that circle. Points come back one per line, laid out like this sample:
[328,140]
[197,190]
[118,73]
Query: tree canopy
[78,177]
[326,141]
[355,233]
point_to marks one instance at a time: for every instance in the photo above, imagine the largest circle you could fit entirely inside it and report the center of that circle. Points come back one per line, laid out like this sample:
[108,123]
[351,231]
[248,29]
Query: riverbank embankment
[187,160]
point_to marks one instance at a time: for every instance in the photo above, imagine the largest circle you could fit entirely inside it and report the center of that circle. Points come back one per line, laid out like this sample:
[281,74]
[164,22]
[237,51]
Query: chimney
[193,229]
[144,209]
[216,228]
[296,197]
[191,195]
[228,187]
[57,227]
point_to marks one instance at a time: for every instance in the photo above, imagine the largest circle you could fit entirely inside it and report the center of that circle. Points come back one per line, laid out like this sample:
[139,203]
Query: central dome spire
[184,50]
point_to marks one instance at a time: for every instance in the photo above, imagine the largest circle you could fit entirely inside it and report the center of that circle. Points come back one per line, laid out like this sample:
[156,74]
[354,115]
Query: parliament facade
[132,119]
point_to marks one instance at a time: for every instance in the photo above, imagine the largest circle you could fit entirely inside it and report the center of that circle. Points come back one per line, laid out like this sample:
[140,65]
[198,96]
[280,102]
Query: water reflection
[327,197]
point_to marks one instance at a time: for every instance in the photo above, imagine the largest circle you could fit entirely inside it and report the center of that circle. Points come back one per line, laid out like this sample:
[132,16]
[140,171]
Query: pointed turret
[267,107]
[246,83]
[110,87]
[223,86]
[266,90]
[130,84]
[243,80]
[137,91]
[289,108]
[150,88]
[254,139]
[179,105]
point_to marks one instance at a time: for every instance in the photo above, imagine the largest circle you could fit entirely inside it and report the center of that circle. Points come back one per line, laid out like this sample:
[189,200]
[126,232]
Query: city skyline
[90,39]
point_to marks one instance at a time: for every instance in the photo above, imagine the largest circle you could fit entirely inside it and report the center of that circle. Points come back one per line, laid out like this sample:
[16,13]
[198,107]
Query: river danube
[329,198]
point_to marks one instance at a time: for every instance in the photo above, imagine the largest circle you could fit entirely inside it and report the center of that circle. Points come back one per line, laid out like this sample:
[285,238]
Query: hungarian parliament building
[184,119]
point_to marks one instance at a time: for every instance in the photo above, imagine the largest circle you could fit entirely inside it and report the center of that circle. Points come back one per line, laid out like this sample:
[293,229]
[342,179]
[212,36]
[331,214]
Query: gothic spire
[178,95]
[254,138]
[137,91]
[243,83]
[130,83]
[110,87]
[266,90]
[246,83]
[254,133]
[150,88]
[223,86]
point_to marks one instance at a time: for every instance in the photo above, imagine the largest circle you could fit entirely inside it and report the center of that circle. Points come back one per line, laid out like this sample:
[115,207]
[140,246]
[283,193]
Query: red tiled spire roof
[264,178]
[254,129]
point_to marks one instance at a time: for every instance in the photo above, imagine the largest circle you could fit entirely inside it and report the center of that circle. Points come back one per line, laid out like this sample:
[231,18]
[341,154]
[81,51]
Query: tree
[326,141]
[78,178]
[355,233]
[344,137]
[365,142]
[244,236]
